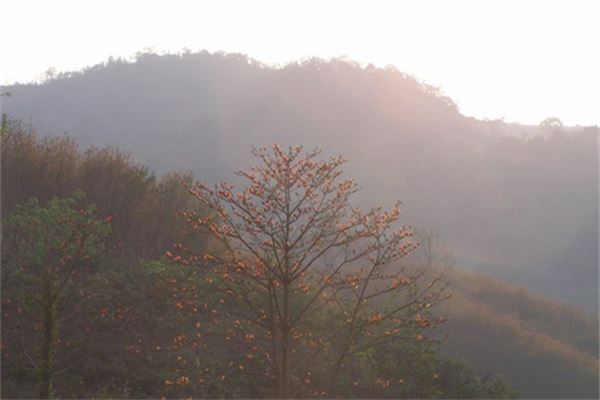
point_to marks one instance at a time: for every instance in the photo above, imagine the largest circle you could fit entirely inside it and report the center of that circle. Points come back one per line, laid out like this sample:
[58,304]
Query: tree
[143,205]
[551,123]
[48,252]
[288,249]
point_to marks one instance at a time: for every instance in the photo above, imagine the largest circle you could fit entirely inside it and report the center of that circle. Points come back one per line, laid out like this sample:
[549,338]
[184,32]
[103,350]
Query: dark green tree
[51,249]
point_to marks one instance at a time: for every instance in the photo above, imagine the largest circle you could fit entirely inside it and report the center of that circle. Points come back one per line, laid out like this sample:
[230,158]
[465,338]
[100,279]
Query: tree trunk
[285,345]
[46,365]
[277,392]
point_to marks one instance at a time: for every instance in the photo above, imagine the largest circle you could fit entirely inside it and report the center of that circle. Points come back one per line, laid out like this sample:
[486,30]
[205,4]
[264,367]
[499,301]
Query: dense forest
[470,180]
[134,318]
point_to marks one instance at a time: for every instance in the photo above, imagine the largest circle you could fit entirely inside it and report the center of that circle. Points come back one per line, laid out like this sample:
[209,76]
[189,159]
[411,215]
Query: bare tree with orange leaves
[290,247]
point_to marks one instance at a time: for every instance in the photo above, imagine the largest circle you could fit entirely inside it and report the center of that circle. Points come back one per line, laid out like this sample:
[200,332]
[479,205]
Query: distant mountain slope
[545,348]
[525,210]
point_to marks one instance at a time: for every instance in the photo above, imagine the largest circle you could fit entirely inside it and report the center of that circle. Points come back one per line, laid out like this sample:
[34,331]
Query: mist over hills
[519,202]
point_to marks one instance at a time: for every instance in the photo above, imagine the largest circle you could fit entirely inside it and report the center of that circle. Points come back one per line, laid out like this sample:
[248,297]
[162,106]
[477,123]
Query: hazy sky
[522,60]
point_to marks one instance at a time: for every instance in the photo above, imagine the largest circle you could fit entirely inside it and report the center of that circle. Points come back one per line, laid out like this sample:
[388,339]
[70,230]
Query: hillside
[471,180]
[545,348]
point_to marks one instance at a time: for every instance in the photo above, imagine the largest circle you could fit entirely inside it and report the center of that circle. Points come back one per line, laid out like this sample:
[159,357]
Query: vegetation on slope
[137,327]
[470,179]
[545,348]
[107,321]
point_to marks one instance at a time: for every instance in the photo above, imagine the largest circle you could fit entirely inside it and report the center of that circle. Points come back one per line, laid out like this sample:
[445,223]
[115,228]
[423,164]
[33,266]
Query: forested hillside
[139,323]
[545,348]
[519,202]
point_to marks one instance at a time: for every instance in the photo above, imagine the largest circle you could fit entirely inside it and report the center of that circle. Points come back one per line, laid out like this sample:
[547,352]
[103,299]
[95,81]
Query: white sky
[522,60]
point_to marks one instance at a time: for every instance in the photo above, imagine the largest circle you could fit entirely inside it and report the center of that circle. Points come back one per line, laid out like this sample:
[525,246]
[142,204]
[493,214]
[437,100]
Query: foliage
[420,371]
[141,206]
[545,348]
[291,244]
[52,249]
[122,311]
